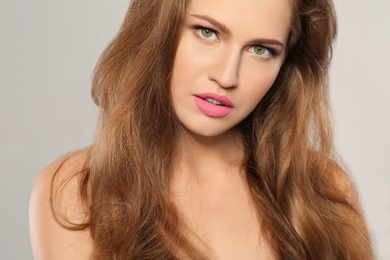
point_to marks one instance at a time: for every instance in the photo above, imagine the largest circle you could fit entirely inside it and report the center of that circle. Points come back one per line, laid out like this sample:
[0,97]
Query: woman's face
[229,54]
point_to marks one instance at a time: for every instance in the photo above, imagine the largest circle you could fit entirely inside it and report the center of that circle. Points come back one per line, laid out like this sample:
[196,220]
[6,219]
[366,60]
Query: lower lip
[211,109]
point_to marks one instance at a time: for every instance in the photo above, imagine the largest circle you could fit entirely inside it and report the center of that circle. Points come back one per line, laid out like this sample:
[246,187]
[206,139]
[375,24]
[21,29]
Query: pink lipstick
[213,105]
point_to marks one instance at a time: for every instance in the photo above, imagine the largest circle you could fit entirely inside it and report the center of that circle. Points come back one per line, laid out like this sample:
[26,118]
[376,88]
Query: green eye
[207,33]
[259,50]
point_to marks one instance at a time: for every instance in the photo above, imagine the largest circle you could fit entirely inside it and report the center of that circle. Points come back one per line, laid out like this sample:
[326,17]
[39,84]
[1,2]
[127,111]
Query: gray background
[47,53]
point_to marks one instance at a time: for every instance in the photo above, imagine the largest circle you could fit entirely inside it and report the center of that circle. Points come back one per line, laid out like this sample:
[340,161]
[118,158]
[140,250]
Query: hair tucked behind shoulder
[301,193]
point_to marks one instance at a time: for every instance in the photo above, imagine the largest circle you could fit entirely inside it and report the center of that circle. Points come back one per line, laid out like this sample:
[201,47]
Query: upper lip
[222,99]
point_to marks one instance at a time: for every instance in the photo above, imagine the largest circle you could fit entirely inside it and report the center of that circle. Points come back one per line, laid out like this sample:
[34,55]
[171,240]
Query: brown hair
[288,140]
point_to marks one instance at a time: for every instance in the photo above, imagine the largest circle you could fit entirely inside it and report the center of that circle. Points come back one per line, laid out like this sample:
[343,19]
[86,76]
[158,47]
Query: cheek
[188,63]
[179,66]
[258,81]
[184,72]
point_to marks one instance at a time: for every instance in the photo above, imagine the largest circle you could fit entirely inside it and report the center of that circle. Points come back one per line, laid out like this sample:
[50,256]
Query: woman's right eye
[206,33]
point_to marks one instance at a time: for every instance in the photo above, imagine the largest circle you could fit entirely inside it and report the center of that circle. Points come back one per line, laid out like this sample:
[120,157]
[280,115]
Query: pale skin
[48,239]
[209,184]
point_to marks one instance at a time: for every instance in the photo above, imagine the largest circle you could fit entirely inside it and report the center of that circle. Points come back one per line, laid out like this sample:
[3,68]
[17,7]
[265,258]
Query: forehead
[257,18]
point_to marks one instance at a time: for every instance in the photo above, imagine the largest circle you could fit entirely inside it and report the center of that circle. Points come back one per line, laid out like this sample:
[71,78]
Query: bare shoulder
[57,185]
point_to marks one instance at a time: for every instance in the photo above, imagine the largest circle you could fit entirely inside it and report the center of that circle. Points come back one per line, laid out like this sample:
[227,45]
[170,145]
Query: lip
[213,110]
[222,99]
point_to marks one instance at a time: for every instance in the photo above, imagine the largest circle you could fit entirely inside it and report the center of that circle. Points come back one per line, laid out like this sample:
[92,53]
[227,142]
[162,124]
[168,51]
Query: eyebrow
[215,23]
[222,28]
[267,42]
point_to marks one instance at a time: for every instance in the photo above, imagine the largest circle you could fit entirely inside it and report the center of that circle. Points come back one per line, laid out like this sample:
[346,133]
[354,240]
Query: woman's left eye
[206,33]
[260,51]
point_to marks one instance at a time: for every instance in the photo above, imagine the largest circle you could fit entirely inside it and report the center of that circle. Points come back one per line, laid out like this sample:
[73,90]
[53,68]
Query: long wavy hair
[288,144]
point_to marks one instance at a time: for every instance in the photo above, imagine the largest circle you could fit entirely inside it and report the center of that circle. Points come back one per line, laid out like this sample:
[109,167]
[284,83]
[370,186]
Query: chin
[204,132]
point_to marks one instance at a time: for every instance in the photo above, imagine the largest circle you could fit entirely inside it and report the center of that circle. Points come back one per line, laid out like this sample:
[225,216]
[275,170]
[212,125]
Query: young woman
[214,142]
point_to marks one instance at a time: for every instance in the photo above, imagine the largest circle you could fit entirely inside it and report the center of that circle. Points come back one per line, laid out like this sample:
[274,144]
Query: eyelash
[272,51]
[198,27]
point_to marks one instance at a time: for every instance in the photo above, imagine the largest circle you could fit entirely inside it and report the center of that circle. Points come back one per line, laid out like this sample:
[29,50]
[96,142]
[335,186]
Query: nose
[224,70]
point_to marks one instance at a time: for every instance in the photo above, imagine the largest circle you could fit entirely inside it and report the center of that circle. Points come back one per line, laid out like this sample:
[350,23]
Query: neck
[202,155]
